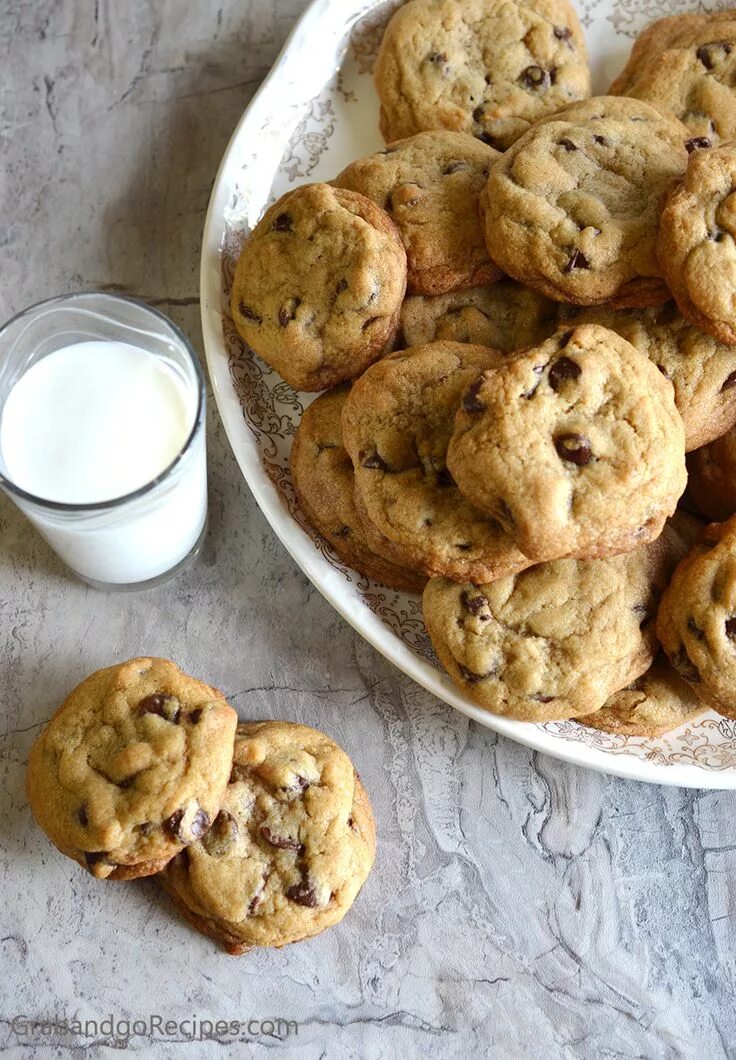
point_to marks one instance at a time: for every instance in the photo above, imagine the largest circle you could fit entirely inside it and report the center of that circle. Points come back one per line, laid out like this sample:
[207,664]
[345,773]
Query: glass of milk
[102,436]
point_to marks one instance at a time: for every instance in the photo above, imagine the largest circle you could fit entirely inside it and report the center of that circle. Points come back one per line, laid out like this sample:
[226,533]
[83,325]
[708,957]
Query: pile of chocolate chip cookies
[261,834]
[523,311]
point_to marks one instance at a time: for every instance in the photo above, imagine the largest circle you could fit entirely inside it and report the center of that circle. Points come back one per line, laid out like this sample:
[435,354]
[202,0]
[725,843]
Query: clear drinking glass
[134,541]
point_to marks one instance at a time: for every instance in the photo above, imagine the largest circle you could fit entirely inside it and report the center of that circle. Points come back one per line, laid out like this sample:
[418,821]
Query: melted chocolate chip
[565,339]
[282,223]
[288,311]
[469,676]
[375,463]
[696,143]
[562,32]
[567,144]
[534,77]
[471,402]
[196,716]
[478,113]
[708,53]
[166,707]
[562,370]
[303,894]
[575,448]
[695,629]
[248,313]
[543,699]
[600,139]
[283,842]
[577,260]
[173,824]
[731,627]
[473,604]
[729,382]
[200,824]
[538,370]
[341,286]
[221,837]
[145,828]
[82,816]
[300,784]
[685,666]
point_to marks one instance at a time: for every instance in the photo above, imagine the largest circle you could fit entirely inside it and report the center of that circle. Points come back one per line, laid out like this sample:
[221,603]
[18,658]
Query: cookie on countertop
[701,369]
[696,622]
[555,641]
[290,849]
[654,704]
[486,67]
[397,422]
[572,209]
[504,316]
[686,64]
[319,286]
[429,186]
[325,484]
[132,767]
[711,481]
[696,241]
[575,446]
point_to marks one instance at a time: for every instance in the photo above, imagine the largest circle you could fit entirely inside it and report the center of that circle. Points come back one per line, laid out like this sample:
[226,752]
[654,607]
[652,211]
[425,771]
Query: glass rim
[141,491]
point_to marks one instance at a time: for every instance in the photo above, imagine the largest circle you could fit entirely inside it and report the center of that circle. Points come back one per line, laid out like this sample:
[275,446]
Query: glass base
[150,583]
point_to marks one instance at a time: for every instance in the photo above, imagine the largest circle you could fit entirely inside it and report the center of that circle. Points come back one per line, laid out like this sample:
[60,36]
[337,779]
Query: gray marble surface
[518,907]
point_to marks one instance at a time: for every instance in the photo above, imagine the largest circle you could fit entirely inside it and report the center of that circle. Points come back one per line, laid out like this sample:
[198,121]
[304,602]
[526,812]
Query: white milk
[93,422]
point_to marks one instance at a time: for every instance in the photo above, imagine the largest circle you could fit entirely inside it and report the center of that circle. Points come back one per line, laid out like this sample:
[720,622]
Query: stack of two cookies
[262,834]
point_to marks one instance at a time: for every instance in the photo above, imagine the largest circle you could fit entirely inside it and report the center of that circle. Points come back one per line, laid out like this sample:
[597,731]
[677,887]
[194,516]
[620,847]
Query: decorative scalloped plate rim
[306,67]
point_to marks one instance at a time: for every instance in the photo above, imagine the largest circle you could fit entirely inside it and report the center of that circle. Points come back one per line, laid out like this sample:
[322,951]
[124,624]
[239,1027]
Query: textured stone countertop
[518,907]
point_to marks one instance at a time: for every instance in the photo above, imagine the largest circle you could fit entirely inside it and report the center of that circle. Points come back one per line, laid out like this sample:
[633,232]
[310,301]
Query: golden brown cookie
[555,641]
[290,849]
[486,67]
[574,446]
[325,484]
[429,186]
[319,286]
[696,241]
[132,767]
[504,316]
[397,422]
[654,704]
[572,209]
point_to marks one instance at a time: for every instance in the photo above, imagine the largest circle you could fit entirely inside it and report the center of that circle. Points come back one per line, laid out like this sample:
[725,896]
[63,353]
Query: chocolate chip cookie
[397,422]
[132,767]
[429,185]
[711,481]
[319,286]
[686,64]
[696,622]
[572,209]
[701,369]
[555,641]
[290,849]
[325,484]
[654,704]
[696,241]
[575,446]
[504,316]
[486,67]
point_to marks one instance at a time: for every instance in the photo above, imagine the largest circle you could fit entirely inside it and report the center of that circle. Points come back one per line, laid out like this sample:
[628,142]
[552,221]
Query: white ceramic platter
[316,111]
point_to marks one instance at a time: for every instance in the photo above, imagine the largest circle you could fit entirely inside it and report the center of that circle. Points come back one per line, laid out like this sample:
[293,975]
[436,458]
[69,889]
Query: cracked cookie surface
[555,641]
[486,67]
[429,186]
[696,622]
[700,367]
[325,484]
[397,422]
[290,849]
[686,64]
[572,209]
[575,446]
[319,286]
[132,767]
[696,242]
[505,316]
